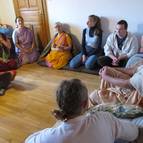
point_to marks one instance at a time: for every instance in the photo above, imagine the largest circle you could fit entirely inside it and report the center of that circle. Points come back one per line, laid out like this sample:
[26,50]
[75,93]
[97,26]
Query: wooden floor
[26,107]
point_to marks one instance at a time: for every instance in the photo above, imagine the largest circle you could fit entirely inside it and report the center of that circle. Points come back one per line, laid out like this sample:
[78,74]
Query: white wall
[7,14]
[76,12]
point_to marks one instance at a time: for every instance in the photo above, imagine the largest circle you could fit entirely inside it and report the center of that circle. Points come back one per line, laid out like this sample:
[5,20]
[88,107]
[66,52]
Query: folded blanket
[119,110]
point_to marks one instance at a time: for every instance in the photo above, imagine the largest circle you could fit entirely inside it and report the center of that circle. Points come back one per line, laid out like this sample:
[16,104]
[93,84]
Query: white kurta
[99,127]
[129,48]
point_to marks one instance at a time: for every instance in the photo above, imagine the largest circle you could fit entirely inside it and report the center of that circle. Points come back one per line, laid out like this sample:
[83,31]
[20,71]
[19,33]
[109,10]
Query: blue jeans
[90,62]
[121,141]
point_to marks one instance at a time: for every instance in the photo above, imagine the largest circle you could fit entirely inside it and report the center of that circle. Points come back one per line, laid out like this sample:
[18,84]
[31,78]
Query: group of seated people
[60,52]
[23,43]
[120,46]
[118,85]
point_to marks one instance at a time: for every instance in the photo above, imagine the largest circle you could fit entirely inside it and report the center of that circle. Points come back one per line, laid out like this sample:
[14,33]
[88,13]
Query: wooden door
[34,13]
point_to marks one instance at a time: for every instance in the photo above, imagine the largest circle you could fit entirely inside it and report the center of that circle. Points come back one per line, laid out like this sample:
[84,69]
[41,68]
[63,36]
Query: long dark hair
[70,96]
[97,28]
[3,36]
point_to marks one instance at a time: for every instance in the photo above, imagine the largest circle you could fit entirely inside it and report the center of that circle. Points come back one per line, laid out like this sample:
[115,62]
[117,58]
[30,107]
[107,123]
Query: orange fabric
[62,39]
[57,58]
[113,94]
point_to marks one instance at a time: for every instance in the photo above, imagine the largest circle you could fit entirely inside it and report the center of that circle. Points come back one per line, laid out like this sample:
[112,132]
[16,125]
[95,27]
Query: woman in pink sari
[23,39]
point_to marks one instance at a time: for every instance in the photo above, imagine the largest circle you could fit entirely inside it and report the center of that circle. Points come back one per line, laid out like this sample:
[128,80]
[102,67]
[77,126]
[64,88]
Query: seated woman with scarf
[7,62]
[60,50]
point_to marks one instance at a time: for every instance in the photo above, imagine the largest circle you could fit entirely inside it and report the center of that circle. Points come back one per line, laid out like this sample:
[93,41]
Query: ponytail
[59,115]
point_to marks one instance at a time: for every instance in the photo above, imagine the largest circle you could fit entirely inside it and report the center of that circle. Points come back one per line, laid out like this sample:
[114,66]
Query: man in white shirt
[76,126]
[119,47]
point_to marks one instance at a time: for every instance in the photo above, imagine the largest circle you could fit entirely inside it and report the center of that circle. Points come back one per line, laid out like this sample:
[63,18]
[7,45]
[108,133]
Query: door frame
[45,14]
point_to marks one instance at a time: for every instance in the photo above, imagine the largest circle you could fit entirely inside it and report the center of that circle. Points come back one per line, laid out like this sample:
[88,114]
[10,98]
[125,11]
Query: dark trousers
[107,61]
[5,79]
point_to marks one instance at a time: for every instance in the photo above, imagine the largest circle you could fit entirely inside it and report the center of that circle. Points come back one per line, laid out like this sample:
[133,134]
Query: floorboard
[26,107]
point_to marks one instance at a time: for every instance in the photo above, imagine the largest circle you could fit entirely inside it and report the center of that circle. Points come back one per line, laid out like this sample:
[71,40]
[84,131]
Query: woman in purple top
[23,39]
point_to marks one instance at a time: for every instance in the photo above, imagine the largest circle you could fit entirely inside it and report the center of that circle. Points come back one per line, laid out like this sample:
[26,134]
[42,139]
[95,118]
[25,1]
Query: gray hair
[70,96]
[59,24]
